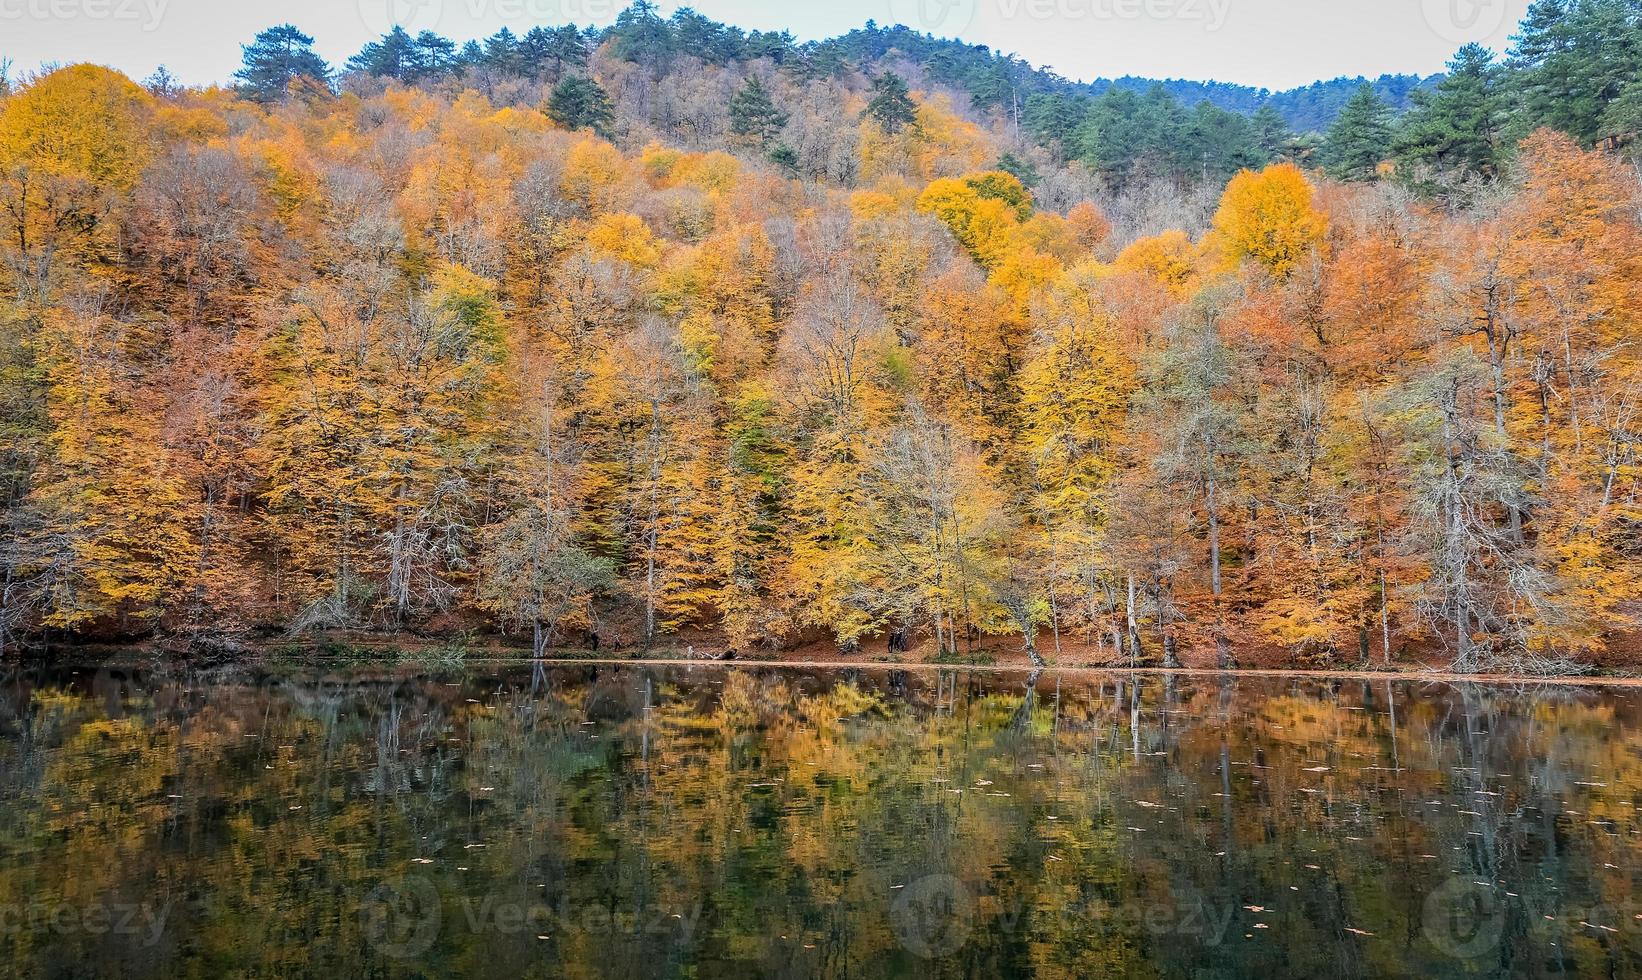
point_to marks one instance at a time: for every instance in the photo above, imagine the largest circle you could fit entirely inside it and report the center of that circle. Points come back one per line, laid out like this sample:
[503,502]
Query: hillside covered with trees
[672,330]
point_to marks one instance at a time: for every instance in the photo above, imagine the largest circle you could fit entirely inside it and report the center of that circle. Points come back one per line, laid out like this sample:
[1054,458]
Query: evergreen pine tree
[1623,119]
[277,57]
[753,115]
[549,53]
[1455,127]
[393,57]
[580,103]
[1360,139]
[1271,132]
[1572,59]
[502,52]
[1021,170]
[641,36]
[891,107]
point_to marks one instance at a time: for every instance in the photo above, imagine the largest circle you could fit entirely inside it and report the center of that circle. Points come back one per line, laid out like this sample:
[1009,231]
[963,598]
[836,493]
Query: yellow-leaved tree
[1075,392]
[71,145]
[104,528]
[1270,217]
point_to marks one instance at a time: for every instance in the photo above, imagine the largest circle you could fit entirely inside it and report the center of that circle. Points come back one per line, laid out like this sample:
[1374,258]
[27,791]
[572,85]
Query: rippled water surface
[624,821]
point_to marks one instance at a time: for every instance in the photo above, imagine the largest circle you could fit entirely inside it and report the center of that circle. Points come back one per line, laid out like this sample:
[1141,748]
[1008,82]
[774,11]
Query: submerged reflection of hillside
[667,821]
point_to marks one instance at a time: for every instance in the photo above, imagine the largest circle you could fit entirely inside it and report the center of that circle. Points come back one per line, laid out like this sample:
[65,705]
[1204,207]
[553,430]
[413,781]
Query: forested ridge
[670,330]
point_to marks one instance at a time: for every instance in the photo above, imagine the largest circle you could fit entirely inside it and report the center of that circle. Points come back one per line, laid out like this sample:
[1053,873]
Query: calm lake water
[606,821]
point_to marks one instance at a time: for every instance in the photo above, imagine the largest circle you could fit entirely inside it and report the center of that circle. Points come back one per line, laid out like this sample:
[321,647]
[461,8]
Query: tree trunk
[1132,641]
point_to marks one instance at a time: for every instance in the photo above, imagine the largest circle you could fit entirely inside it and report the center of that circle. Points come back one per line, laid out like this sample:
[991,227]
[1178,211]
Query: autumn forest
[670,336]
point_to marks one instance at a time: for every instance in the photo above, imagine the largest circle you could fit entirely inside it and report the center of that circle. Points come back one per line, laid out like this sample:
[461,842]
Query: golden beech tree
[1271,218]
[72,144]
[105,524]
[1075,392]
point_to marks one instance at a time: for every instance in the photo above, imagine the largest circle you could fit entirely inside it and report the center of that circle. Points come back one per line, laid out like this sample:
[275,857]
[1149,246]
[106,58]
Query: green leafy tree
[392,57]
[551,53]
[503,52]
[891,107]
[1360,138]
[641,36]
[1223,142]
[581,103]
[1455,128]
[274,59]
[1624,116]
[1572,59]
[785,157]
[1021,170]
[753,115]
[1272,134]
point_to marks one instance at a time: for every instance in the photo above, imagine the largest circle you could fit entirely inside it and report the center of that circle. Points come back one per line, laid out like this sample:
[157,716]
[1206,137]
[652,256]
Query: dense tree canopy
[654,337]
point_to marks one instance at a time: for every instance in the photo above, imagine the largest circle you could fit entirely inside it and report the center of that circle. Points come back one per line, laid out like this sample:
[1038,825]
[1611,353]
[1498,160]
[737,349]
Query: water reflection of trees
[658,821]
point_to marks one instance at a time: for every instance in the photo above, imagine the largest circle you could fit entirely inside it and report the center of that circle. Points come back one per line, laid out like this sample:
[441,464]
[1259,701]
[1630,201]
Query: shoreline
[923,667]
[1438,677]
[423,654]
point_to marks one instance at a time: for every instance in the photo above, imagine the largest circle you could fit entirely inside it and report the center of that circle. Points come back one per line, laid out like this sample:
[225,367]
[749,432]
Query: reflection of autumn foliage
[1095,823]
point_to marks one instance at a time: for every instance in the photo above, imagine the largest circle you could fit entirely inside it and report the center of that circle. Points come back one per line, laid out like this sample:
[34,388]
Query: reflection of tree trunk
[1171,655]
[1022,719]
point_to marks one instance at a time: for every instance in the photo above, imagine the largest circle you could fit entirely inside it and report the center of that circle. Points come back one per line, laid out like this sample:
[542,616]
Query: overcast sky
[1271,43]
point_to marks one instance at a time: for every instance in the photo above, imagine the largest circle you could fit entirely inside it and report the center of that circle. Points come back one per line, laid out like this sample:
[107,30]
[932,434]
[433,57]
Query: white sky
[1272,43]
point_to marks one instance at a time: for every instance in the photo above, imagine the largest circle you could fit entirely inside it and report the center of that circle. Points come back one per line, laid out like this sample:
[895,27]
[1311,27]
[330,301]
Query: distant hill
[989,74]
[1309,108]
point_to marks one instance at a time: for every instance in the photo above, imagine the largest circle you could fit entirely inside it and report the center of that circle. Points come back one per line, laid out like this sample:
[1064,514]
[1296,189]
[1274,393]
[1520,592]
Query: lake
[628,821]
